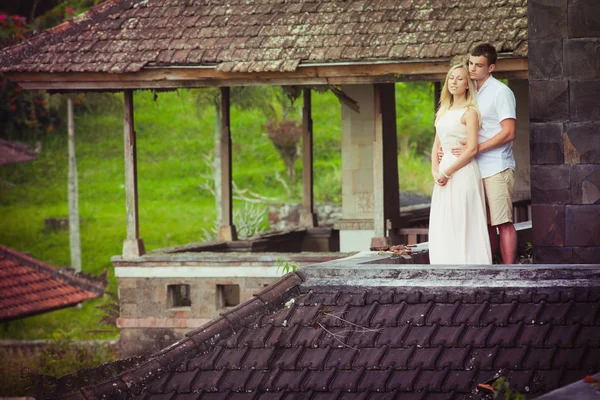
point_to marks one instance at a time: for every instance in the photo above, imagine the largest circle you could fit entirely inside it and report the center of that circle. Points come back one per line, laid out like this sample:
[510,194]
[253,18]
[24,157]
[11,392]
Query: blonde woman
[457,221]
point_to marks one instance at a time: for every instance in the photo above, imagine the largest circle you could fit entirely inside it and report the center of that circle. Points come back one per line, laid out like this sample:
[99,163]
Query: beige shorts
[498,197]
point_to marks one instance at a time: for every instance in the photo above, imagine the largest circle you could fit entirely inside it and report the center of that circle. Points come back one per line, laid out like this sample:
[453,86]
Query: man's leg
[493,233]
[508,242]
[498,191]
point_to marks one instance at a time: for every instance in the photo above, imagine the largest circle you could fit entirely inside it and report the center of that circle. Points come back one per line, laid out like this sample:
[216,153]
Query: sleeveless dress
[457,222]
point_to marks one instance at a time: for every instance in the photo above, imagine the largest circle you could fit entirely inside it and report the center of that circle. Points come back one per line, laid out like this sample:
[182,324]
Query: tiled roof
[268,35]
[351,329]
[29,287]
[12,152]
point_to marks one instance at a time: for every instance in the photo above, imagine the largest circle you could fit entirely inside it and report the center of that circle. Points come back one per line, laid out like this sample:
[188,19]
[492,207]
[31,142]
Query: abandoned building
[540,323]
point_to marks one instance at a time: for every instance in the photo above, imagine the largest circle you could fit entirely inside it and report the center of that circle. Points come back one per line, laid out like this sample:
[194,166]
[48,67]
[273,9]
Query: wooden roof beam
[321,74]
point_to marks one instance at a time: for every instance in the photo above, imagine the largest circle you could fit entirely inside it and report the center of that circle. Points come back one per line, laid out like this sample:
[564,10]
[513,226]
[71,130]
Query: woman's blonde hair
[447,99]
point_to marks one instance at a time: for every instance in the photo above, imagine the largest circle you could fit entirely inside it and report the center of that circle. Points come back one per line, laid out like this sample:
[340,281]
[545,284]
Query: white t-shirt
[496,103]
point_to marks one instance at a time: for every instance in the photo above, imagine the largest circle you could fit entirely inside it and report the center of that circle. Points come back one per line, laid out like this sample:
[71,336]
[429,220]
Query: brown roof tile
[29,287]
[310,31]
[331,331]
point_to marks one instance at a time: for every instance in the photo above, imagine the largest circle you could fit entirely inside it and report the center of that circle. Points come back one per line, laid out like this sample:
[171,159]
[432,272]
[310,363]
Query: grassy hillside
[173,136]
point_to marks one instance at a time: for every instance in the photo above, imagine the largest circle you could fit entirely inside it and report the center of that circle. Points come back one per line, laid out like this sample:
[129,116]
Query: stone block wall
[564,114]
[149,321]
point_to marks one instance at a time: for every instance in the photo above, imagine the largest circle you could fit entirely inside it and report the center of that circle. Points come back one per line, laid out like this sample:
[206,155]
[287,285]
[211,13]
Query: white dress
[457,222]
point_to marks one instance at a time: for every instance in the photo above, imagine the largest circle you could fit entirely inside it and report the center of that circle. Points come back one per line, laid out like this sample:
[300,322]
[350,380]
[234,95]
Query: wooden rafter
[176,77]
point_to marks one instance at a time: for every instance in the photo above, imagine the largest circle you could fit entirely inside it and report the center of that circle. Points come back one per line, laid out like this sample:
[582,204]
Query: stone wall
[149,321]
[564,112]
[286,216]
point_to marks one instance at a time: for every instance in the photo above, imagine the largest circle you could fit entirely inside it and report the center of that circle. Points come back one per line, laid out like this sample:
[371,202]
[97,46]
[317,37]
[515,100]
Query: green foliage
[285,266]
[415,110]
[502,385]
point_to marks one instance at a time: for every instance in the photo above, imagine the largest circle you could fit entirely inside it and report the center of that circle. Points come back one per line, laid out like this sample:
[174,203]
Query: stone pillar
[564,114]
[360,159]
[356,225]
[522,191]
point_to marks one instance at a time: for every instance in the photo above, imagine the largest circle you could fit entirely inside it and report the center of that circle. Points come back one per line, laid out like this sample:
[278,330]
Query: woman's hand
[440,179]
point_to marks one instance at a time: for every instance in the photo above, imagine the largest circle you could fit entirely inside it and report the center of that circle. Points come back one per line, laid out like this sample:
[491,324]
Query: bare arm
[472,121]
[506,134]
[435,163]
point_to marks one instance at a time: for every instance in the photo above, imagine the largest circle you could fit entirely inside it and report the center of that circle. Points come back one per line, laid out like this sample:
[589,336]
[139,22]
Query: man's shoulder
[499,86]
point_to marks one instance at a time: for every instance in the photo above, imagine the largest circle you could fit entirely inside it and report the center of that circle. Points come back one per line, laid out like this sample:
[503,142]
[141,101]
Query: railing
[420,234]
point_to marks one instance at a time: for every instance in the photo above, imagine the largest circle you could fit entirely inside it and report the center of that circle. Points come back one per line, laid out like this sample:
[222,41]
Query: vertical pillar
[74,236]
[564,116]
[308,218]
[133,246]
[386,189]
[356,225]
[227,230]
[437,93]
[522,190]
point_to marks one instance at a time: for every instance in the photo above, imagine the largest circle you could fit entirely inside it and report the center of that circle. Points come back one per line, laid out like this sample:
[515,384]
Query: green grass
[173,137]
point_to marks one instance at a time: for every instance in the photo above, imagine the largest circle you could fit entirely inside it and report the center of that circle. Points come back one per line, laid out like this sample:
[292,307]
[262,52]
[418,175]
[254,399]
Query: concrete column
[364,151]
[520,88]
[356,225]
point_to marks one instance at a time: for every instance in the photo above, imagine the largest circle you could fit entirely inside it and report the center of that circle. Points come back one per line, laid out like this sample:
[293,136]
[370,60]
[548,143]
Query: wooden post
[386,207]
[74,235]
[227,231]
[308,218]
[133,246]
[437,93]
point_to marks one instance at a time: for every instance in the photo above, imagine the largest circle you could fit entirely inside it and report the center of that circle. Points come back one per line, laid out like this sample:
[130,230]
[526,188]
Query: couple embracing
[473,165]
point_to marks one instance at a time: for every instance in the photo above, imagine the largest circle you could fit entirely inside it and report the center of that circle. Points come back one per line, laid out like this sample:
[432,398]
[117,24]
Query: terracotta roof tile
[29,287]
[307,31]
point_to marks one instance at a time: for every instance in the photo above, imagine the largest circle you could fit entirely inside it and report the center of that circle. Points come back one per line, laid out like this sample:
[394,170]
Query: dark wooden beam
[177,77]
[386,186]
[133,246]
[308,217]
[227,231]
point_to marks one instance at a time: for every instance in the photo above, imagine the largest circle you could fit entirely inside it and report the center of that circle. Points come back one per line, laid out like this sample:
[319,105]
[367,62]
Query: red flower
[77,101]
[13,107]
[50,128]
[2,17]
[69,10]
[18,89]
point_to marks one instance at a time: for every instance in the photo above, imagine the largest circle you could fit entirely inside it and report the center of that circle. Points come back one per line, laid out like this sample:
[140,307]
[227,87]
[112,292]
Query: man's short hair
[486,50]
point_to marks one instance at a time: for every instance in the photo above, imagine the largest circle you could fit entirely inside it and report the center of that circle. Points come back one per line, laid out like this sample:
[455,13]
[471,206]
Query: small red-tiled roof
[121,36]
[29,286]
[12,152]
[357,329]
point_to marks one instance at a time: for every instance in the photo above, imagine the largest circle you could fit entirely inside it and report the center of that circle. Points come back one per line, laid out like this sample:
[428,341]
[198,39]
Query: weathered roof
[585,389]
[358,329]
[29,286]
[12,152]
[122,36]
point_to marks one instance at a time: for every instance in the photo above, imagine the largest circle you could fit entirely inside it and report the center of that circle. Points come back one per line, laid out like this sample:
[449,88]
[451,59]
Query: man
[497,106]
